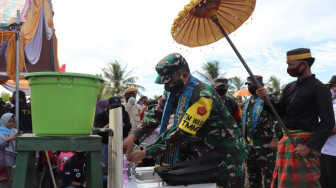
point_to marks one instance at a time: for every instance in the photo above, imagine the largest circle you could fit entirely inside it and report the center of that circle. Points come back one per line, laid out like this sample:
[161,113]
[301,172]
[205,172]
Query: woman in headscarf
[102,121]
[7,145]
[101,105]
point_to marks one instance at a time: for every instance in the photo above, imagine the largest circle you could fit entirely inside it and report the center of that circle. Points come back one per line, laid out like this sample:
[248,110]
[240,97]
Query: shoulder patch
[196,115]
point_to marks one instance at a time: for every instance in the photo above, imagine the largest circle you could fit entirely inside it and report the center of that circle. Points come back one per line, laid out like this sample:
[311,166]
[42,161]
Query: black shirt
[74,171]
[103,118]
[25,120]
[306,105]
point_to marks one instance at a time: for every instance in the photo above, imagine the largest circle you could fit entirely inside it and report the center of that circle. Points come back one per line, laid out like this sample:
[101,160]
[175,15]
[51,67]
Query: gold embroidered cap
[299,54]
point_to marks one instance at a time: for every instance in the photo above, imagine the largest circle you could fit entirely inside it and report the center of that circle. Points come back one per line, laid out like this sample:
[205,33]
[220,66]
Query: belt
[298,133]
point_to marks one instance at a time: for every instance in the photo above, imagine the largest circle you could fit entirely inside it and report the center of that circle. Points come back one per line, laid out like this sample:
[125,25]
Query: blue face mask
[332,93]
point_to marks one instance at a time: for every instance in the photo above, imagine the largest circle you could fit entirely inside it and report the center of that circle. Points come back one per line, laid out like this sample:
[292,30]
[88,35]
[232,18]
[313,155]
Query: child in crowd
[7,146]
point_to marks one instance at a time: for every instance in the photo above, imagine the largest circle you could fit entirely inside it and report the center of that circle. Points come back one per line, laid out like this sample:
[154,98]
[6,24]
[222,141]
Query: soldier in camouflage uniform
[206,125]
[262,133]
[221,86]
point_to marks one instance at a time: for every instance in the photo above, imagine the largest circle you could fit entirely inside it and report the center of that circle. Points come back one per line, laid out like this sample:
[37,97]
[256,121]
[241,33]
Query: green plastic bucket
[63,104]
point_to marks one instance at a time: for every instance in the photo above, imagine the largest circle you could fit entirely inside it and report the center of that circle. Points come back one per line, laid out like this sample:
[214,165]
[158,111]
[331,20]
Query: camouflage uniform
[261,160]
[218,132]
[230,103]
[228,100]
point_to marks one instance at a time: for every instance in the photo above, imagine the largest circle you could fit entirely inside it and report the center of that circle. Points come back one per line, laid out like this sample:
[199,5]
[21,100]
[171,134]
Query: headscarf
[6,132]
[101,105]
[3,122]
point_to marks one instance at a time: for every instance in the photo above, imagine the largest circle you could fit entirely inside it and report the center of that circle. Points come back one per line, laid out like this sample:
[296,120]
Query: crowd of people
[206,119]
[68,167]
[192,118]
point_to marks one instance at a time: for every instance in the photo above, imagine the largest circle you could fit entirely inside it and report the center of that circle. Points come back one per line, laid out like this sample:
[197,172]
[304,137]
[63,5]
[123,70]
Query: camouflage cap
[220,82]
[250,81]
[168,66]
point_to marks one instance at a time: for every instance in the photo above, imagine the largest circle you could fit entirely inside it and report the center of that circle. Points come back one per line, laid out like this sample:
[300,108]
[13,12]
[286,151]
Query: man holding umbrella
[201,122]
[307,112]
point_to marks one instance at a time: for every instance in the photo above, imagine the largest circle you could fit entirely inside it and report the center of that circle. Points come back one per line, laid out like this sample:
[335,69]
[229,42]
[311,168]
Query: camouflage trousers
[231,176]
[231,173]
[260,163]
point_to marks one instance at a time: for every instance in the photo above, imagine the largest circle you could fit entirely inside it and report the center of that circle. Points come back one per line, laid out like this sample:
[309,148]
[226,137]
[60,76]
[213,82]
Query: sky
[136,33]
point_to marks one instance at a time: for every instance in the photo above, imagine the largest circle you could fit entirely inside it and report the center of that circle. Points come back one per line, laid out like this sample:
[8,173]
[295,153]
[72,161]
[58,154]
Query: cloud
[137,33]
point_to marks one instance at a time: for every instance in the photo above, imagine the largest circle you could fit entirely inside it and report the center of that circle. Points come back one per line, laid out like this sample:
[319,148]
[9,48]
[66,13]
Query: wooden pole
[50,169]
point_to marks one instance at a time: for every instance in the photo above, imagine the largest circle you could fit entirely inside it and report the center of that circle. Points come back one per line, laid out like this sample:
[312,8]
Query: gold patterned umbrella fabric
[193,26]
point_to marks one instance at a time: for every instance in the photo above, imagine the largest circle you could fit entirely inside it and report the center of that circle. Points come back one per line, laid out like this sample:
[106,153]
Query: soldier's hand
[136,156]
[273,146]
[302,151]
[261,92]
[128,144]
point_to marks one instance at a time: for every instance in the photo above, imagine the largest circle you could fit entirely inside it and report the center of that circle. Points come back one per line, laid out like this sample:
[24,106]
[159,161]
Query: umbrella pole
[267,99]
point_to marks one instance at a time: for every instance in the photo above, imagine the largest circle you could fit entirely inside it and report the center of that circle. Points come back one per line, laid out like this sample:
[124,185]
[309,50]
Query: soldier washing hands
[202,122]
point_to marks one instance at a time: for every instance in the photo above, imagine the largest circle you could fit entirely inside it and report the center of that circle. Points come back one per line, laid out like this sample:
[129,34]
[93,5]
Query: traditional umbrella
[203,22]
[241,92]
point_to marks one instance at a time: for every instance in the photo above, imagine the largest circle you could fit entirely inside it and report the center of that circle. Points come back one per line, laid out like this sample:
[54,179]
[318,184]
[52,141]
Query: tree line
[118,78]
[211,71]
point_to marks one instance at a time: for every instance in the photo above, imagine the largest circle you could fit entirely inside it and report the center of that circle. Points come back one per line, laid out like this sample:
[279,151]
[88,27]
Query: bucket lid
[37,74]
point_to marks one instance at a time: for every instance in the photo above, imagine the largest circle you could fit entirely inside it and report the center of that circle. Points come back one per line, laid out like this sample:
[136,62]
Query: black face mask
[221,92]
[252,89]
[295,72]
[175,86]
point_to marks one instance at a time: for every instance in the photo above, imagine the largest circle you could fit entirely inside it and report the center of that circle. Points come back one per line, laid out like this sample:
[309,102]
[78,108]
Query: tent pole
[17,76]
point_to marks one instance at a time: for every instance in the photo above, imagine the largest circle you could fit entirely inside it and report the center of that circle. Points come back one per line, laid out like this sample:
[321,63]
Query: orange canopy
[241,92]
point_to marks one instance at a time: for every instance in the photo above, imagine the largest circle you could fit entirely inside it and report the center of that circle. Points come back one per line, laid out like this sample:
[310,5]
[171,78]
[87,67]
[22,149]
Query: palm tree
[273,85]
[235,84]
[282,89]
[101,91]
[118,79]
[211,72]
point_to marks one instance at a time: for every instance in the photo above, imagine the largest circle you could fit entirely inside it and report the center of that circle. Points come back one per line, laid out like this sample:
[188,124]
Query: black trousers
[328,171]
